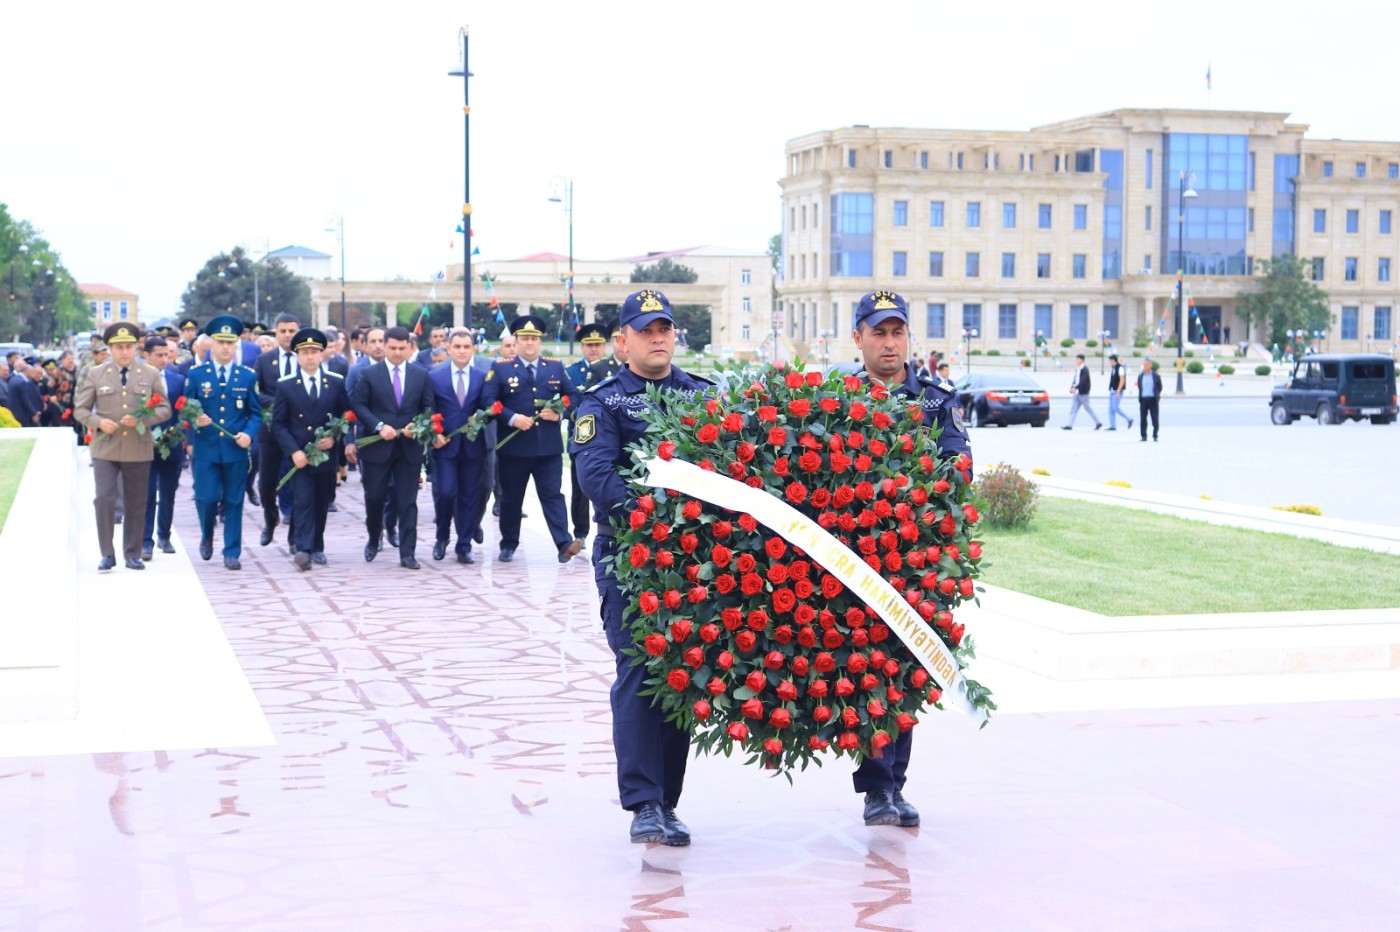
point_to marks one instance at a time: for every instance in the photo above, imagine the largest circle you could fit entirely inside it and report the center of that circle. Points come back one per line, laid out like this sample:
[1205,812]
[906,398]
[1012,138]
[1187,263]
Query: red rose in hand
[738,731]
[648,603]
[780,718]
[678,679]
[752,708]
[655,644]
[745,641]
[666,449]
[757,680]
[821,714]
[701,710]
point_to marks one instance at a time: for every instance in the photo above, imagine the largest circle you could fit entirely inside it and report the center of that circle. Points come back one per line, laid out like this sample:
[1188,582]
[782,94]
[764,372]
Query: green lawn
[1119,561]
[14,454]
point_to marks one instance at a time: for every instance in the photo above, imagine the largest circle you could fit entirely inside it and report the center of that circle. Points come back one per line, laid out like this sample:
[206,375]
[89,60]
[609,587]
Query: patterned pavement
[444,762]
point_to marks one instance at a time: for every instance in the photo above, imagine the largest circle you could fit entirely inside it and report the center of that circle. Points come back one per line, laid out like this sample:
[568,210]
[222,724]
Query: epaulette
[331,373]
[288,378]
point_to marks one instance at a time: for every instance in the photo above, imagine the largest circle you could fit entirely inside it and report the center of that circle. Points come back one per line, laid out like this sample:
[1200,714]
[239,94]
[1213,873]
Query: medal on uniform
[207,389]
[513,382]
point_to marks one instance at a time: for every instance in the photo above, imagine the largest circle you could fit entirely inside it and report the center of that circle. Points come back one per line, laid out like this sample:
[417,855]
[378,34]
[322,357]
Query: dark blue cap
[224,327]
[878,307]
[643,307]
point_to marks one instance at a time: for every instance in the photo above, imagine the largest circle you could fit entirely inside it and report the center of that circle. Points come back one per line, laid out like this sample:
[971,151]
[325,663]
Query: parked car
[1335,387]
[1002,398]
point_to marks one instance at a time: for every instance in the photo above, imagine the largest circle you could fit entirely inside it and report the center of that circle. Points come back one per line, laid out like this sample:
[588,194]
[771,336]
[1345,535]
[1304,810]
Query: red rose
[829,405]
[715,687]
[850,717]
[655,644]
[780,718]
[810,462]
[848,741]
[751,584]
[951,552]
[974,551]
[956,633]
[878,633]
[947,585]
[878,448]
[664,558]
[858,411]
[689,542]
[881,420]
[665,450]
[777,574]
[865,491]
[733,422]
[804,614]
[905,721]
[725,660]
[780,466]
[909,531]
[970,513]
[874,563]
[731,618]
[934,694]
[783,600]
[697,594]
[820,497]
[783,634]
[691,510]
[855,440]
[800,407]
[777,436]
[752,708]
[711,406]
[775,548]
[678,679]
[827,519]
[807,637]
[893,561]
[799,664]
[875,707]
[647,504]
[891,668]
[709,633]
[965,587]
[768,413]
[821,714]
[948,525]
[831,586]
[745,563]
[860,637]
[774,660]
[745,641]
[693,657]
[738,731]
[648,603]
[832,639]
[671,598]
[796,493]
[701,709]
[787,691]
[844,496]
[794,380]
[818,689]
[773,746]
[879,392]
[857,663]
[894,695]
[725,583]
[660,532]
[637,519]
[680,630]
[757,680]
[803,588]
[721,529]
[863,463]
[639,555]
[918,678]
[840,462]
[844,687]
[825,662]
[879,739]
[869,681]
[814,379]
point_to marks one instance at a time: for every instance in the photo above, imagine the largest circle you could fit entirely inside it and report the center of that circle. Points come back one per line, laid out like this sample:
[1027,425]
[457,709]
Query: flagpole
[466,182]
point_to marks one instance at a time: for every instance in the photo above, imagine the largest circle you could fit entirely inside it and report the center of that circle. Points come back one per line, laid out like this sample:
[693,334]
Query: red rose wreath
[747,640]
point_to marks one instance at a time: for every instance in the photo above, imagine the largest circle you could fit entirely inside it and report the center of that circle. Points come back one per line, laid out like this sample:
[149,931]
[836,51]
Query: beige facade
[109,305]
[1071,229]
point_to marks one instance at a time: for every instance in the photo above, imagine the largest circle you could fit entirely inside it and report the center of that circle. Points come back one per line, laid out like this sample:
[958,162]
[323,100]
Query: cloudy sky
[143,137]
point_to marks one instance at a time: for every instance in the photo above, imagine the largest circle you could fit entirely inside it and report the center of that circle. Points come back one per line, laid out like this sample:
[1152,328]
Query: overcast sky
[141,137]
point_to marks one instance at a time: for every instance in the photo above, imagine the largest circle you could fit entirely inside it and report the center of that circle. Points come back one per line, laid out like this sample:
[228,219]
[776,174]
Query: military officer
[305,401]
[605,368]
[882,336]
[189,330]
[115,397]
[536,446]
[227,392]
[593,340]
[651,752]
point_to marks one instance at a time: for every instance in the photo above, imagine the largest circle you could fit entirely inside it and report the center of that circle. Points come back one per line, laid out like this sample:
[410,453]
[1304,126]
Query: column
[459,318]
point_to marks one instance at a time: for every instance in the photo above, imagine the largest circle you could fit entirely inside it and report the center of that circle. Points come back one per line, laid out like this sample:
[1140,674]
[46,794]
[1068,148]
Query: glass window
[974,213]
[745,333]
[974,264]
[923,160]
[746,276]
[1327,169]
[1081,216]
[122,309]
[1006,321]
[1319,267]
[1044,216]
[792,218]
[1045,320]
[852,234]
[1349,318]
[889,159]
[748,304]
[1147,263]
[850,158]
[1319,220]
[1008,216]
[972,317]
[1361,169]
[1042,265]
[1353,221]
[935,321]
[901,213]
[1084,161]
[92,307]
[1383,269]
[1081,262]
[1385,221]
[1149,169]
[1392,171]
[901,264]
[106,310]
[1350,269]
[935,213]
[1008,265]
[1381,331]
[1148,225]
[1251,171]
[1110,320]
[1079,321]
[935,265]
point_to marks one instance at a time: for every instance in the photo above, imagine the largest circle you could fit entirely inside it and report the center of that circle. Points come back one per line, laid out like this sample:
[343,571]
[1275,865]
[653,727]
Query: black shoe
[507,554]
[465,556]
[266,537]
[134,564]
[439,549]
[206,548]
[302,559]
[332,507]
[370,551]
[880,808]
[231,563]
[1113,428]
[496,510]
[117,519]
[394,538]
[1098,426]
[908,815]
[1130,422]
[318,558]
[648,824]
[569,550]
[1154,438]
[106,564]
[677,835]
[1066,427]
[165,545]
[1144,439]
[479,536]
[409,563]
[253,497]
[147,551]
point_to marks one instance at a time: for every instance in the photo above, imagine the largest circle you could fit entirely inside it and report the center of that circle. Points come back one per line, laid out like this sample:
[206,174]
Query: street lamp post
[465,75]
[1185,191]
[967,334]
[565,187]
[335,223]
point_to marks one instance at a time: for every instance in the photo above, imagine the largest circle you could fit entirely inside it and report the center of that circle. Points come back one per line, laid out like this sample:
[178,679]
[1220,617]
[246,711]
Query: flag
[500,318]
[476,250]
[1207,77]
[422,315]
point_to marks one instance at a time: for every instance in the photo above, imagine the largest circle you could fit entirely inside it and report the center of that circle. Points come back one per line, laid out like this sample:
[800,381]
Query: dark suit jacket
[1156,384]
[443,381]
[268,366]
[296,415]
[337,364]
[25,401]
[506,383]
[1082,384]
[373,401]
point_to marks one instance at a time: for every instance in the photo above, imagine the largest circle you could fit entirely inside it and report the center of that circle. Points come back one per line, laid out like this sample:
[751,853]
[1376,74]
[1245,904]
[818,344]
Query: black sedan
[1002,398]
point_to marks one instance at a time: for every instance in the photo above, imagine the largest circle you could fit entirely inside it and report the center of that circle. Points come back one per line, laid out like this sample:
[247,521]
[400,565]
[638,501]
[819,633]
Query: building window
[122,309]
[1079,321]
[960,161]
[974,265]
[935,213]
[1008,216]
[1043,216]
[852,234]
[923,160]
[1385,221]
[1361,169]
[1319,268]
[1250,226]
[1110,320]
[935,265]
[1251,171]
[1081,216]
[744,333]
[748,304]
[792,218]
[935,321]
[92,308]
[1081,262]
[106,310]
[1042,265]
[1350,269]
[1381,331]
[1045,320]
[1327,169]
[974,214]
[1084,160]
[1383,269]
[1148,225]
[972,317]
[1349,318]
[850,158]
[1008,265]
[1149,169]
[901,213]
[901,264]
[1006,321]
[1392,171]
[746,276]
[889,159]
[1353,221]
[1319,220]
[1147,263]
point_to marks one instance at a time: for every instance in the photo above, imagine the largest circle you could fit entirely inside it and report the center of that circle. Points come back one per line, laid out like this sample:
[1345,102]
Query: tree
[694,319]
[39,301]
[225,285]
[1286,299]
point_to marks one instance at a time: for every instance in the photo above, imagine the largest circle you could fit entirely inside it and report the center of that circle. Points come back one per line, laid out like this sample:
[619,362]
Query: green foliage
[1067,342]
[225,285]
[993,352]
[1195,367]
[1008,499]
[39,301]
[1227,369]
[1286,299]
[1190,353]
[1262,369]
[1142,336]
[1091,343]
[664,272]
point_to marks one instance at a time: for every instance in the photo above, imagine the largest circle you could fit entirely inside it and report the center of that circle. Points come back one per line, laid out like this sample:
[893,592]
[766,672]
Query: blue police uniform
[220,466]
[651,752]
[165,473]
[578,502]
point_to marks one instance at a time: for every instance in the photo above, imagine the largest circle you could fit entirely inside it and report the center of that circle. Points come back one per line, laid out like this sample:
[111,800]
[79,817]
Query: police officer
[882,336]
[536,446]
[227,392]
[305,401]
[651,752]
[615,363]
[593,340]
[108,403]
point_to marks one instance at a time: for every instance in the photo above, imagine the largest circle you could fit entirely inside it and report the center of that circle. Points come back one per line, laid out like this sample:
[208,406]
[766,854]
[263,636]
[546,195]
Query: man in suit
[535,448]
[26,401]
[457,463]
[109,403]
[437,337]
[306,401]
[271,367]
[249,348]
[387,397]
[1149,386]
[373,344]
[593,342]
[164,480]
[227,391]
[1079,393]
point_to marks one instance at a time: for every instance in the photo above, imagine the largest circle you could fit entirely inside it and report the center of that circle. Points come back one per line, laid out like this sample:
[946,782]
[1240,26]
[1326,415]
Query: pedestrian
[437,339]
[306,401]
[651,751]
[118,395]
[168,459]
[881,334]
[270,464]
[1117,385]
[1079,393]
[593,342]
[1149,385]
[457,463]
[221,436]
[528,452]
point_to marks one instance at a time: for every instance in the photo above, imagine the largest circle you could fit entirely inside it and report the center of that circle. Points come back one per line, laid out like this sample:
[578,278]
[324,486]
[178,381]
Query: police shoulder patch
[585,429]
[491,373]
